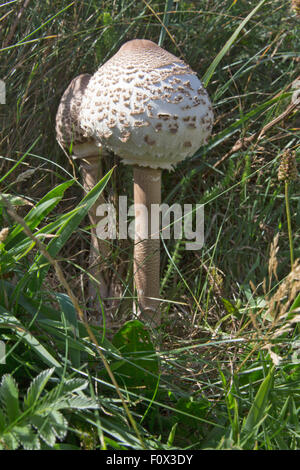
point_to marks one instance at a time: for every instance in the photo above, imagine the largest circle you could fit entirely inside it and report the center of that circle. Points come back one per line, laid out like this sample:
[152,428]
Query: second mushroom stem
[91,171]
[147,198]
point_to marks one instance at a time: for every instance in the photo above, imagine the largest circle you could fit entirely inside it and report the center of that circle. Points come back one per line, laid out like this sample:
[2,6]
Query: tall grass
[227,374]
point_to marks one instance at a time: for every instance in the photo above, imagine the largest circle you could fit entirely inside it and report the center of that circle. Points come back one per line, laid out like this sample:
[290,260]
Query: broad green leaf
[21,244]
[9,397]
[139,367]
[43,208]
[284,410]
[27,437]
[115,429]
[32,219]
[231,309]
[235,421]
[171,436]
[53,196]
[44,427]
[59,424]
[295,305]
[57,331]
[192,409]
[8,442]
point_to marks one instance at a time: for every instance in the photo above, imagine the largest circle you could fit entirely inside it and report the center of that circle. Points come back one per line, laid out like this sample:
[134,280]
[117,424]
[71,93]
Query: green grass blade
[41,209]
[208,74]
[70,225]
[166,18]
[19,161]
[8,320]
[68,310]
[258,408]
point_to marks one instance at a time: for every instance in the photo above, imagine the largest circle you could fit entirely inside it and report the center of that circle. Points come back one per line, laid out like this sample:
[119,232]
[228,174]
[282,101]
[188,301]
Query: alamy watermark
[166,222]
[2,92]
[2,353]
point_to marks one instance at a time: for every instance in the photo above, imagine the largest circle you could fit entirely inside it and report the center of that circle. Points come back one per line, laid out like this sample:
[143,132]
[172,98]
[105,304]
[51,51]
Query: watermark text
[2,92]
[160,221]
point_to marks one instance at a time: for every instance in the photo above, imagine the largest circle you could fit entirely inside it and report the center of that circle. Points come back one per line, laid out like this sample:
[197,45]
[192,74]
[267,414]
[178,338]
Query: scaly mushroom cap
[147,106]
[68,130]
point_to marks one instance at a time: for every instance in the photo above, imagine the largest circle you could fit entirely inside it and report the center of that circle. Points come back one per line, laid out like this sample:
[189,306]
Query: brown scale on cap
[68,129]
[67,126]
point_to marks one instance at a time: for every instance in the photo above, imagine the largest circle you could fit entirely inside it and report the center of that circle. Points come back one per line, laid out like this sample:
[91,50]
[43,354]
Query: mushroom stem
[147,191]
[91,170]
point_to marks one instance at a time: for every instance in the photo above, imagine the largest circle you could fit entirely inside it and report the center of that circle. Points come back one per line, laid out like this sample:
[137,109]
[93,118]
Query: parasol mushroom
[70,136]
[149,108]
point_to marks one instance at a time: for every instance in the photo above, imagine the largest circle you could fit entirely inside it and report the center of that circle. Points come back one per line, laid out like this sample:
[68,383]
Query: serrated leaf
[78,403]
[27,437]
[36,387]
[74,385]
[8,442]
[59,424]
[44,427]
[9,396]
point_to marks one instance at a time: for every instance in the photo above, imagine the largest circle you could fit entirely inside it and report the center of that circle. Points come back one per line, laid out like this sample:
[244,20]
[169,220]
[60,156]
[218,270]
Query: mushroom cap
[68,130]
[147,106]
